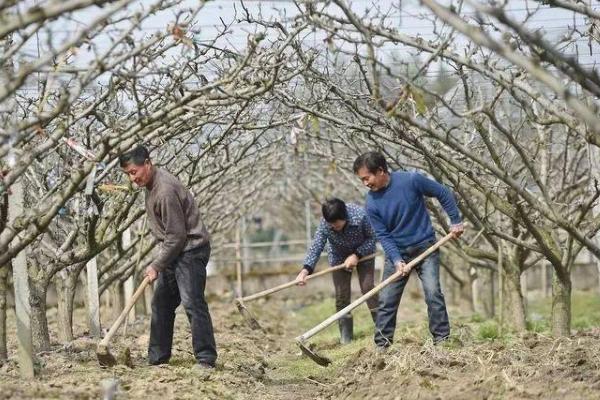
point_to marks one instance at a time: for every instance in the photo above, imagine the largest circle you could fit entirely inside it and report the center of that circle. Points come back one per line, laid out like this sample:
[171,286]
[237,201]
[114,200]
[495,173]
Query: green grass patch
[585,309]
[539,325]
[295,367]
[476,318]
[313,314]
[489,330]
[466,329]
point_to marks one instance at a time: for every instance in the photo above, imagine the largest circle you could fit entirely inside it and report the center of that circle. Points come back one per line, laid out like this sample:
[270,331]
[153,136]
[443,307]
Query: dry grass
[254,365]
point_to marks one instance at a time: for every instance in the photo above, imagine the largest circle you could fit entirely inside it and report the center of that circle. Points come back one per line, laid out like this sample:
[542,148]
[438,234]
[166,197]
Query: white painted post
[129,284]
[493,292]
[524,289]
[544,279]
[148,291]
[21,286]
[93,298]
[245,247]
[19,263]
[93,295]
[307,223]
[475,292]
[594,157]
[500,285]
[598,269]
[238,261]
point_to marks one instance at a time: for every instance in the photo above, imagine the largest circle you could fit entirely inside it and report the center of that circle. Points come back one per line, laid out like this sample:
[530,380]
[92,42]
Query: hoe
[104,357]
[249,318]
[324,361]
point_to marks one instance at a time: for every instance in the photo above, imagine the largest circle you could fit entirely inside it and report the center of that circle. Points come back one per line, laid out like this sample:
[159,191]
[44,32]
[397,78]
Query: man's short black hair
[334,210]
[372,160]
[137,156]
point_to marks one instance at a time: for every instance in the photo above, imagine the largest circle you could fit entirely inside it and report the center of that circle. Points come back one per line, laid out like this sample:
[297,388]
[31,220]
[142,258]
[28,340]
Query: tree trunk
[66,282]
[3,292]
[482,293]
[20,279]
[93,298]
[82,278]
[116,295]
[513,306]
[39,322]
[465,292]
[545,279]
[561,305]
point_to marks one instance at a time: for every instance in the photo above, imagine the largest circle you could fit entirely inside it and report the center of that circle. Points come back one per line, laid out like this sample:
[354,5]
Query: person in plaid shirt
[347,233]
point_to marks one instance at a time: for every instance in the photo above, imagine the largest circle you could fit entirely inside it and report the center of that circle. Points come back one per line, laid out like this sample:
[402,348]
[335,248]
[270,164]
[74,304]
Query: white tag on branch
[294,135]
[79,148]
[92,209]
[298,128]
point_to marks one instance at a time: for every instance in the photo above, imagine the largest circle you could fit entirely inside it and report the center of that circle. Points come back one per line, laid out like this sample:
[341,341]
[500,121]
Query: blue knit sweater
[398,213]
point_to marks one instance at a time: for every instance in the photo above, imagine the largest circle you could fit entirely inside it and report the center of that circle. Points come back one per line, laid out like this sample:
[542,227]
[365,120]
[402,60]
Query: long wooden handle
[130,303]
[307,335]
[295,282]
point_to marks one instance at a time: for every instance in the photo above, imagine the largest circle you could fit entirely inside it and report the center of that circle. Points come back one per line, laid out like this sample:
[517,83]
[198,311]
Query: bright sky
[411,19]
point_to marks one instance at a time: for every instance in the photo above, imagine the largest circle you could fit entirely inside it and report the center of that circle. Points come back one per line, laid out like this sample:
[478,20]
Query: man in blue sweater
[398,214]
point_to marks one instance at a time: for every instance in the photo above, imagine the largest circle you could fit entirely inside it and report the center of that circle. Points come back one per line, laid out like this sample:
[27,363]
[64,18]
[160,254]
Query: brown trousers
[366,279]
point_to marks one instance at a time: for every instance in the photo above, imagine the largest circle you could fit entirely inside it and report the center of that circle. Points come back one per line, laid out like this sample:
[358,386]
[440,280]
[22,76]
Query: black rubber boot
[346,329]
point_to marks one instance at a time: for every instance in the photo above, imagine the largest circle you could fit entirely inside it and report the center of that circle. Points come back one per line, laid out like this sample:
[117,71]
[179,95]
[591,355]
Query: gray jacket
[173,217]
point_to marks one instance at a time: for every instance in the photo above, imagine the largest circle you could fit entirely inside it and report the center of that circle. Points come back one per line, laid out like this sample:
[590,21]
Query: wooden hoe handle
[295,282]
[371,292]
[130,303]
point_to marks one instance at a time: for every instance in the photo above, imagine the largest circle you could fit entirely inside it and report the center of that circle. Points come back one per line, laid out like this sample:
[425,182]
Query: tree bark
[561,305]
[513,306]
[66,284]
[39,322]
[465,291]
[482,292]
[65,320]
[3,296]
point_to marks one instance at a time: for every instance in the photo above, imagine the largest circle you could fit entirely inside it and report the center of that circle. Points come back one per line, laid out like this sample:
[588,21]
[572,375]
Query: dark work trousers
[182,282]
[429,273]
[366,279]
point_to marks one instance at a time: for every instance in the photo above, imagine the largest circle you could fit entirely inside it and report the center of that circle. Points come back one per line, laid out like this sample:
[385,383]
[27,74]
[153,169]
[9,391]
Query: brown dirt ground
[535,367]
[255,366]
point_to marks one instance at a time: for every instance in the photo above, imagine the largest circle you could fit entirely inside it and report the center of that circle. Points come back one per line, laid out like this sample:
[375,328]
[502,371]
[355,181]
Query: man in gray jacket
[180,266]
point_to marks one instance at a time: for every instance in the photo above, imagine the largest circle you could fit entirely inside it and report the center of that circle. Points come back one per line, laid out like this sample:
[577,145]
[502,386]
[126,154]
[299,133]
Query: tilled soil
[261,365]
[72,371]
[532,367]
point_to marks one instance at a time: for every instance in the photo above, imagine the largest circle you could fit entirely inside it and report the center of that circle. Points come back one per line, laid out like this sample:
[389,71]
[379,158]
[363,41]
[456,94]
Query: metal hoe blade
[104,357]
[300,340]
[321,360]
[250,320]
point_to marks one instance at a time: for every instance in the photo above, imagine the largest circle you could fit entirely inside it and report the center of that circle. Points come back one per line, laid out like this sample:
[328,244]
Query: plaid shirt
[357,237]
